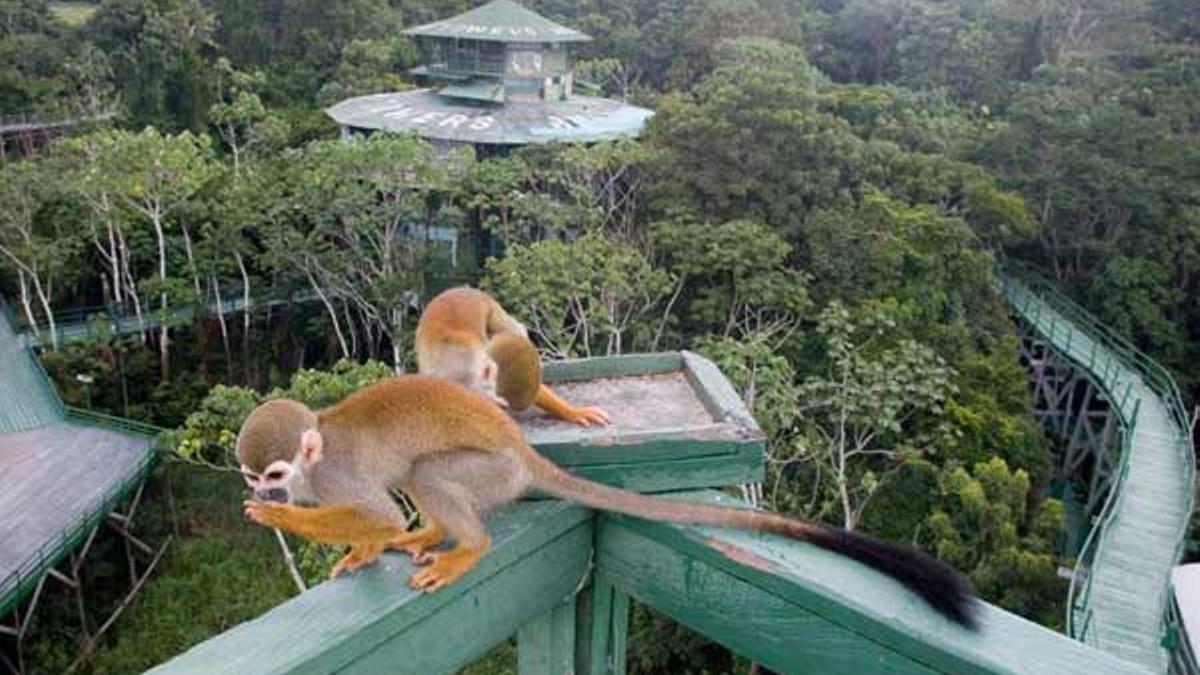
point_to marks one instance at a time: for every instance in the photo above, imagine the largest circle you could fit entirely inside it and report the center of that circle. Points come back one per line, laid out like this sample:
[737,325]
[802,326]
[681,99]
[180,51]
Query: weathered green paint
[612,366]
[602,628]
[546,645]
[800,609]
[370,622]
[661,447]
[718,395]
[680,474]
[726,448]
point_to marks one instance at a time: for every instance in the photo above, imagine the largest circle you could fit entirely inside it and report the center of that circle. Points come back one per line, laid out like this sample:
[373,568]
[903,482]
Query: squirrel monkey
[465,336]
[456,455]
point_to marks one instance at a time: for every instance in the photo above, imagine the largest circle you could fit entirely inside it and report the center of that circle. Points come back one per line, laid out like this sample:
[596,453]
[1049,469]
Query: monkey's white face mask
[283,481]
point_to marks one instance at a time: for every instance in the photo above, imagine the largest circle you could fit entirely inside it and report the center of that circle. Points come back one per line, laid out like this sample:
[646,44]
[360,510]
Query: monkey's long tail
[936,582]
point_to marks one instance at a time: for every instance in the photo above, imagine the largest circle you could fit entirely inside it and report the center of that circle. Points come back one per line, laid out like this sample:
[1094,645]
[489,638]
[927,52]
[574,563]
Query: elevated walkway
[62,470]
[27,399]
[1120,591]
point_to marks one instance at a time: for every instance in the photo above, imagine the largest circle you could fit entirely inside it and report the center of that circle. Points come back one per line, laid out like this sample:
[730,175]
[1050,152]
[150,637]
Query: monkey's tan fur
[465,336]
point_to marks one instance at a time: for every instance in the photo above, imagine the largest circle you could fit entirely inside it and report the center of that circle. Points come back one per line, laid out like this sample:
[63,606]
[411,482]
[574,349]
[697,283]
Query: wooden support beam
[546,645]
[602,629]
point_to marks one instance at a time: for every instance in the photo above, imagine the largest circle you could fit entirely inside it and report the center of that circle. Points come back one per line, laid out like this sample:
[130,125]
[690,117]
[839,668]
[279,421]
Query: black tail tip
[938,584]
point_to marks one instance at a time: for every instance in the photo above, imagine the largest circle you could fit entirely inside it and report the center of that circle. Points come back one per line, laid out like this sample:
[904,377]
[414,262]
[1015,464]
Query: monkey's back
[455,310]
[417,414]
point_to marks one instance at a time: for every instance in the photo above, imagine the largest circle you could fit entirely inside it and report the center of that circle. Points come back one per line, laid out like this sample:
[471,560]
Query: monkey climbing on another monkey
[456,455]
[465,336]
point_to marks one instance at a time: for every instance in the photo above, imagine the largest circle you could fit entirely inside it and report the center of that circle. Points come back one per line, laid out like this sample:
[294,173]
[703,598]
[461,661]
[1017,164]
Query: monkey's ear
[488,372]
[310,447]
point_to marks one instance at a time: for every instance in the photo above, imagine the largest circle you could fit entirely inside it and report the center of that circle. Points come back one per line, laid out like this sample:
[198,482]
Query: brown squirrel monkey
[456,455]
[465,336]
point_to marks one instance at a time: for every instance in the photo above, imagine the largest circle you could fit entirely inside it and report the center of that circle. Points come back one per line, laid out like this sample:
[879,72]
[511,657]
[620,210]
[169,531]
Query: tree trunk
[245,316]
[216,286]
[27,304]
[44,298]
[164,339]
[329,308]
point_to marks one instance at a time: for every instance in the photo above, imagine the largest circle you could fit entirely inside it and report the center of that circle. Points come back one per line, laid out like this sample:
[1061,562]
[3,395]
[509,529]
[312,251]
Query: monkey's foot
[587,416]
[415,543]
[447,568]
[358,557]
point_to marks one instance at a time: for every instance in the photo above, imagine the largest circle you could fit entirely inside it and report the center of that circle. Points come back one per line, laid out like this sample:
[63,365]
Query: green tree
[877,401]
[738,275]
[590,296]
[154,176]
[984,526]
[360,234]
[33,243]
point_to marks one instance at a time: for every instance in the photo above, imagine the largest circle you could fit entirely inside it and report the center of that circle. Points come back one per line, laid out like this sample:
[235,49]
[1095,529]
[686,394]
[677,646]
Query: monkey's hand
[589,415]
[267,514]
[339,524]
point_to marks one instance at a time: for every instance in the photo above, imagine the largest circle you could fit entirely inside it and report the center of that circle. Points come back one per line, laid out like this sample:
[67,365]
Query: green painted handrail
[1022,287]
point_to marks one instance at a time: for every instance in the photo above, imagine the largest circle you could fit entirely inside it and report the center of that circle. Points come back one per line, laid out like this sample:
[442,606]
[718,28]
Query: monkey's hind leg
[417,542]
[449,504]
[360,555]
[452,489]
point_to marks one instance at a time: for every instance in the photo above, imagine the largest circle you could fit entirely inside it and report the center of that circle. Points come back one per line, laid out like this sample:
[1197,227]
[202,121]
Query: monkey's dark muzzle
[272,495]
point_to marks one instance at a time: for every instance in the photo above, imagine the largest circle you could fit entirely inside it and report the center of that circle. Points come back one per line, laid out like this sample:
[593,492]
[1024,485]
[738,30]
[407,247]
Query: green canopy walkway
[1120,591]
[27,399]
[62,471]
[88,322]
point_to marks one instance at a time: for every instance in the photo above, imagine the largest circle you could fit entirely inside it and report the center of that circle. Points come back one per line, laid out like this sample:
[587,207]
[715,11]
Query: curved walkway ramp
[27,399]
[1120,592]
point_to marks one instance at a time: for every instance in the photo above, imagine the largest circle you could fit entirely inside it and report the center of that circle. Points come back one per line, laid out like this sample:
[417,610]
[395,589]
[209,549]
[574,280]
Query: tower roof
[500,21]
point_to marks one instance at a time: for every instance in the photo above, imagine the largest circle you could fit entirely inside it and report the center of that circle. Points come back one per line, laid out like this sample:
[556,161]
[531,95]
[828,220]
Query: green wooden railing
[561,579]
[1108,357]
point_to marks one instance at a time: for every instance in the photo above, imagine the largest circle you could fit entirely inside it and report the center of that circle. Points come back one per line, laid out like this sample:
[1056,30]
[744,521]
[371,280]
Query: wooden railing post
[602,629]
[546,645]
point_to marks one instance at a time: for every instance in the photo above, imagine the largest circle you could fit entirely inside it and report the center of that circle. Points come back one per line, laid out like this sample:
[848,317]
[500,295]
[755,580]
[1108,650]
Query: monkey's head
[519,369]
[277,445]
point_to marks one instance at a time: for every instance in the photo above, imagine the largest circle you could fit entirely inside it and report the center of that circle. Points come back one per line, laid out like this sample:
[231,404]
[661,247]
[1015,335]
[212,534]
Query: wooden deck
[52,477]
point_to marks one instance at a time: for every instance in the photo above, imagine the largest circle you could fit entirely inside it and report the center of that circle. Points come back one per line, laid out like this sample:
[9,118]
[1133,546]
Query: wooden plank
[56,484]
[546,645]
[602,627]
[798,608]
[668,444]
[370,622]
[678,474]
[612,366]
[722,400]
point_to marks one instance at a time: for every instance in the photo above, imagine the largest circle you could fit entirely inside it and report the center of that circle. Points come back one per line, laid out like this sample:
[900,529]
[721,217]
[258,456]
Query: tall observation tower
[499,76]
